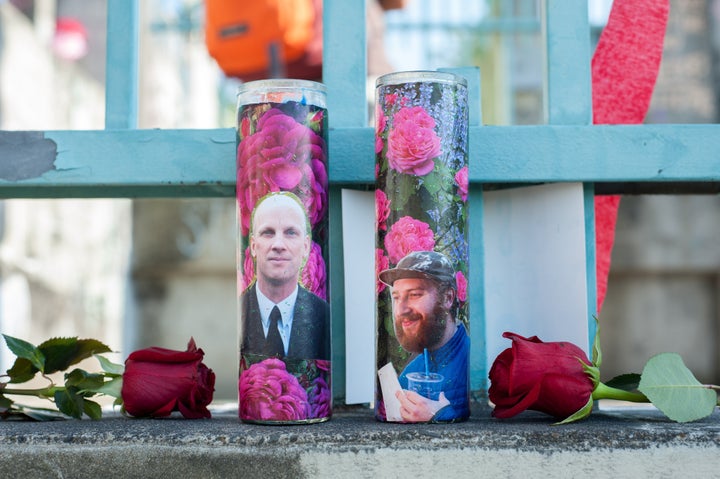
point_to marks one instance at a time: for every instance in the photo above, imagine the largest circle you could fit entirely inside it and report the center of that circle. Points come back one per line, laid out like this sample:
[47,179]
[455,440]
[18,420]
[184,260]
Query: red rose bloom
[545,377]
[158,381]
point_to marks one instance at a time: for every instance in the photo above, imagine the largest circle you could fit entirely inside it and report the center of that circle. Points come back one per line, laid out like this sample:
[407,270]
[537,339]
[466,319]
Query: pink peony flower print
[323,364]
[412,142]
[248,271]
[314,275]
[282,155]
[382,210]
[408,235]
[461,178]
[244,127]
[461,283]
[269,393]
[381,263]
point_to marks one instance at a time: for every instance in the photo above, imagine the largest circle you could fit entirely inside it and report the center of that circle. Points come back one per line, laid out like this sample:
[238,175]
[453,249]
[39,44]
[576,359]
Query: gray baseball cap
[421,264]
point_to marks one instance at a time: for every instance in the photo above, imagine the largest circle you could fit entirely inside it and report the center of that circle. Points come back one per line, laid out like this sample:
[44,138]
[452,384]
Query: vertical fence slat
[121,72]
[567,36]
[344,73]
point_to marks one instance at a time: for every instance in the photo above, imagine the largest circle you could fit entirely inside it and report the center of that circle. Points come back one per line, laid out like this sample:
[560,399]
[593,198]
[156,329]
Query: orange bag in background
[254,39]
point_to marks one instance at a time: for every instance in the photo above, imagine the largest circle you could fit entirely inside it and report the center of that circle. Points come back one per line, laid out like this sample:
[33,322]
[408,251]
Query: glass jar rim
[420,76]
[280,84]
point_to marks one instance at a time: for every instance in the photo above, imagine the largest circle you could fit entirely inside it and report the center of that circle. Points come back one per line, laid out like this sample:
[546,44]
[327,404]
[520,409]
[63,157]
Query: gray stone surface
[637,442]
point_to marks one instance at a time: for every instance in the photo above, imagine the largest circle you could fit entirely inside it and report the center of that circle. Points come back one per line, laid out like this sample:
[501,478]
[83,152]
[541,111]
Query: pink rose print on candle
[313,276]
[461,178]
[382,210]
[282,155]
[412,142]
[461,283]
[269,393]
[381,263]
[408,235]
[248,272]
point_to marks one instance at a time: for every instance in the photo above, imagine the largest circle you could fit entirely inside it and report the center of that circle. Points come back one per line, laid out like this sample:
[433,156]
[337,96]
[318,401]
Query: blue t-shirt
[452,361]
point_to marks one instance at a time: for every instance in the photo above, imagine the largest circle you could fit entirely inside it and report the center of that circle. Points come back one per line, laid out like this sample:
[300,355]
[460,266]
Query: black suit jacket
[310,334]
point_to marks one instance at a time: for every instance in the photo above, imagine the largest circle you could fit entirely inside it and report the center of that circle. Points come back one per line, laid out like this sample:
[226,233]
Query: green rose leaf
[111,388]
[62,353]
[92,409]
[673,389]
[70,402]
[5,403]
[23,349]
[109,366]
[22,370]
[626,382]
[84,381]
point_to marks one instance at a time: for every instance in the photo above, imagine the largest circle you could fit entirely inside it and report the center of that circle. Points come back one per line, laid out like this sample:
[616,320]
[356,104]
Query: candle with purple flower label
[421,146]
[282,194]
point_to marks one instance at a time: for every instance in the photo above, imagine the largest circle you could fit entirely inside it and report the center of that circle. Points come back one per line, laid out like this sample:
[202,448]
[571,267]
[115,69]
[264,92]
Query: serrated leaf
[109,366]
[84,381]
[21,371]
[674,390]
[61,353]
[69,402]
[25,350]
[626,382]
[92,409]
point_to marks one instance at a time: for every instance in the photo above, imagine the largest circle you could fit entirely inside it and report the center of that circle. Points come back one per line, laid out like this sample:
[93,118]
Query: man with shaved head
[279,317]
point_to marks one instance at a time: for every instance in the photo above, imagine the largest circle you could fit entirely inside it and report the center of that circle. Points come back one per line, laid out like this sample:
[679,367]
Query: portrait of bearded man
[424,302]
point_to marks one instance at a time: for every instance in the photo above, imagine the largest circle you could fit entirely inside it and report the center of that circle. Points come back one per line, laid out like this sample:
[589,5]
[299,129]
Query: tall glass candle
[423,345]
[282,204]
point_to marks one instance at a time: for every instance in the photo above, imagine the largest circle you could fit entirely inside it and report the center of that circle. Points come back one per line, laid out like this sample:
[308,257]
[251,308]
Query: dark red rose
[158,381]
[545,377]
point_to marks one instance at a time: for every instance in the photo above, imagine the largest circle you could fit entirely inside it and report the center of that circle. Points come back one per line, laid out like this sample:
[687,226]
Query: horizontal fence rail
[151,163]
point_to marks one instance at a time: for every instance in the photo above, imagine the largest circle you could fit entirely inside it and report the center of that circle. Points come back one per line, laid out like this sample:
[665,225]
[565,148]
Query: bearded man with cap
[424,295]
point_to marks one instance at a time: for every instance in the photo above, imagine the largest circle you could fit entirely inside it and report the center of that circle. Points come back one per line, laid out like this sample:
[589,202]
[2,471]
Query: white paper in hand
[390,385]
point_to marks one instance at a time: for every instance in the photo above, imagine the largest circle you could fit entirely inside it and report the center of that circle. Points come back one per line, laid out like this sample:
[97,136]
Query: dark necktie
[273,342]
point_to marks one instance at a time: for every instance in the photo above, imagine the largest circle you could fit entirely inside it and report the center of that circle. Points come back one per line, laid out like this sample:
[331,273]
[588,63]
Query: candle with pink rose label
[282,204]
[423,345]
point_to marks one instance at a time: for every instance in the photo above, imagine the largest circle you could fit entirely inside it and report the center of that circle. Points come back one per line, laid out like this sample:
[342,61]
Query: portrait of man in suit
[279,317]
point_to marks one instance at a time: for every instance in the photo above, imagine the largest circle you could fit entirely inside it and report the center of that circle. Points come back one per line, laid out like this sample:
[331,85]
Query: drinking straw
[427,364]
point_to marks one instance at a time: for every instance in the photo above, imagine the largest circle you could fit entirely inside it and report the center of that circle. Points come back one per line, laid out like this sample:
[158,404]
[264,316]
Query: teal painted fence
[122,161]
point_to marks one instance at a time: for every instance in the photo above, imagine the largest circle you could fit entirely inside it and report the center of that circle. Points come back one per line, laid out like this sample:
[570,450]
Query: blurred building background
[136,273]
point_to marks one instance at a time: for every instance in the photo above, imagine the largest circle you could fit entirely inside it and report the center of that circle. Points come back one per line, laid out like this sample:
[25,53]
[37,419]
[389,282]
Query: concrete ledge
[628,443]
